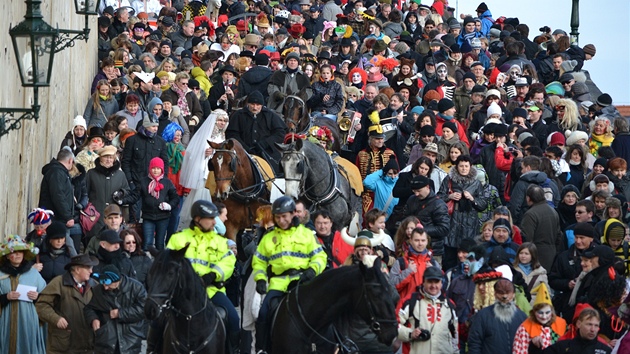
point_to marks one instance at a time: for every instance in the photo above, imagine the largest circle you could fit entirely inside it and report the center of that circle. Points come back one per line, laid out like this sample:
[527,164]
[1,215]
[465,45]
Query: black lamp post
[575,21]
[35,43]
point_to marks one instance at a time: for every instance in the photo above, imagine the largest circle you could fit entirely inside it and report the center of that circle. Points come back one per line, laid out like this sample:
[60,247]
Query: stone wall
[23,153]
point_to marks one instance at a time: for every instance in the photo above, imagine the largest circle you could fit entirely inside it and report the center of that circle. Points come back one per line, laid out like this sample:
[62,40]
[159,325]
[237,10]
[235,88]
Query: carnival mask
[441,73]
[356,78]
[544,314]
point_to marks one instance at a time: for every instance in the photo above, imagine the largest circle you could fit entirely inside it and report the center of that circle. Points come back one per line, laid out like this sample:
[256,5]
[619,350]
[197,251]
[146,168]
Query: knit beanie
[156,162]
[450,125]
[493,109]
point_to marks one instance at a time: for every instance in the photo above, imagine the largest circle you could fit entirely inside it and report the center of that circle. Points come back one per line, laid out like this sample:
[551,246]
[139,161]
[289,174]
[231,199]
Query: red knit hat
[556,138]
[156,162]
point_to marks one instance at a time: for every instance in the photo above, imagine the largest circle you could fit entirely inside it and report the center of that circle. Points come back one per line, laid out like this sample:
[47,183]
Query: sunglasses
[560,108]
[130,243]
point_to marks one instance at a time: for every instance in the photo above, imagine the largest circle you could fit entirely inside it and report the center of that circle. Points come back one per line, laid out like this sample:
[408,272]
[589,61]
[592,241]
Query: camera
[424,336]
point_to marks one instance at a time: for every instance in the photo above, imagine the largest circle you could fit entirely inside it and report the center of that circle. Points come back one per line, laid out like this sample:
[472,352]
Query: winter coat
[54,262]
[76,144]
[255,79]
[393,29]
[215,95]
[138,152]
[541,226]
[382,187]
[61,299]
[96,117]
[57,192]
[282,84]
[259,134]
[496,177]
[150,204]
[579,345]
[433,215]
[123,334]
[194,107]
[181,40]
[435,315]
[533,279]
[508,246]
[118,258]
[80,195]
[174,116]
[142,264]
[566,267]
[621,145]
[202,78]
[465,218]
[461,99]
[101,183]
[462,291]
[488,335]
[518,202]
[320,89]
[404,278]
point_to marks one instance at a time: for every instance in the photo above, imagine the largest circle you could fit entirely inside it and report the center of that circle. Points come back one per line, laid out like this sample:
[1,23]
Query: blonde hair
[571,119]
[486,300]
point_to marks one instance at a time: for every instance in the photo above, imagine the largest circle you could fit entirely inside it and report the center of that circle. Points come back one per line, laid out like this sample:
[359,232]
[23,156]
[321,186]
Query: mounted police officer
[291,254]
[211,259]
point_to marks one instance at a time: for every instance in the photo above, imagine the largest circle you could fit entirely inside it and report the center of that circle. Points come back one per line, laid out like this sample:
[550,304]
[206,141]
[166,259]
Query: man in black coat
[222,95]
[432,212]
[57,193]
[256,78]
[258,128]
[566,268]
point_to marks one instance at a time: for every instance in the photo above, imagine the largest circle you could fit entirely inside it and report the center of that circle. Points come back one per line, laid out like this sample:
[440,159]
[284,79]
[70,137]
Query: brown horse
[240,184]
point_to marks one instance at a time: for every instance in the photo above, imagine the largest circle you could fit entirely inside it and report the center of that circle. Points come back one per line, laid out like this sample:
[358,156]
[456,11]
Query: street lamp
[575,21]
[35,43]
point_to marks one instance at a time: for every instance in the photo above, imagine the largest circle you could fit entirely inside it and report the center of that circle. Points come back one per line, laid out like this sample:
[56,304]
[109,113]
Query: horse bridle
[304,161]
[168,305]
[331,190]
[233,164]
[301,101]
[246,192]
[375,323]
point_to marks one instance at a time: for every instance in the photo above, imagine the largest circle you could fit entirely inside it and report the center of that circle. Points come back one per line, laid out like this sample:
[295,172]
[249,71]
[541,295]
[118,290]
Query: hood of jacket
[197,71]
[54,165]
[534,177]
[257,74]
[463,180]
[154,101]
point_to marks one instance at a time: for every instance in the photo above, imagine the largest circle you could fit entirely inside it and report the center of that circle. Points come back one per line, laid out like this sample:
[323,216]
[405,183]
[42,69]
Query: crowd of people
[496,185]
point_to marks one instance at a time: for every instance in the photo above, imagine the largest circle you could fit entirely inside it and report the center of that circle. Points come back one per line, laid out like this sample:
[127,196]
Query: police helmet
[283,204]
[204,209]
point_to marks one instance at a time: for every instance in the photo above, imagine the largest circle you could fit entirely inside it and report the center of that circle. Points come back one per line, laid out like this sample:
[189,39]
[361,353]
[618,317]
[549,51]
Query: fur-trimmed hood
[463,180]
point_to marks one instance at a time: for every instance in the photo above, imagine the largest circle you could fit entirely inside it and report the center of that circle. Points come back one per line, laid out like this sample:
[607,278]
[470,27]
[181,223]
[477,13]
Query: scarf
[182,103]
[598,141]
[576,288]
[104,98]
[142,130]
[445,117]
[526,268]
[292,71]
[175,156]
[155,186]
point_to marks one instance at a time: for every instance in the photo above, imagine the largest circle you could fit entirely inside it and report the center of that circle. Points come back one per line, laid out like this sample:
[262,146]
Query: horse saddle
[351,172]
[264,171]
[222,313]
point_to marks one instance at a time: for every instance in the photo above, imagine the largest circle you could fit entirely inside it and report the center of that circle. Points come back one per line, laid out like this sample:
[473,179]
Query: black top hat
[96,132]
[229,68]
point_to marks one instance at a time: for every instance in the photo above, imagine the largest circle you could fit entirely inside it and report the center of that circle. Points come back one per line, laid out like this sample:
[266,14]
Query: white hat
[576,136]
[145,77]
[506,272]
[494,109]
[79,120]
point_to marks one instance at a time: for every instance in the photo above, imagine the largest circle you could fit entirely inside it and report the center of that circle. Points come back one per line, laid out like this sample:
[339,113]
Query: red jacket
[461,131]
[339,250]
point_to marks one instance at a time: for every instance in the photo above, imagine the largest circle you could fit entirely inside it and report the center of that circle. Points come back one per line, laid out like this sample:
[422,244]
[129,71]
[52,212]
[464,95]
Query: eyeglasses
[183,83]
[130,243]
[139,29]
[196,88]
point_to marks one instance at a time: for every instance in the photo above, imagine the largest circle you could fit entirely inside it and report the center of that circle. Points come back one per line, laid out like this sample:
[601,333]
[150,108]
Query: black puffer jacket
[566,267]
[77,178]
[255,79]
[56,192]
[124,333]
[150,204]
[142,265]
[433,215]
[331,88]
[465,218]
[138,152]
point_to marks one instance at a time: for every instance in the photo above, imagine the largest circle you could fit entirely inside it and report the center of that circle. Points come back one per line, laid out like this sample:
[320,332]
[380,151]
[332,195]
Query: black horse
[177,298]
[305,317]
[311,174]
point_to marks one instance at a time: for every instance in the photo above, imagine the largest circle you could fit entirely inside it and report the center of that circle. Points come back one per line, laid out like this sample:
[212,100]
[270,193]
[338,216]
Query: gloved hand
[193,121]
[307,275]
[79,206]
[117,196]
[279,96]
[261,287]
[164,206]
[209,278]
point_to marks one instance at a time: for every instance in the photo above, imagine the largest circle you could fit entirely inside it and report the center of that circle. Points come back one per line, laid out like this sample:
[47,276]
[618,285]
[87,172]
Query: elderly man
[493,328]
[61,305]
[258,128]
[183,37]
[429,333]
[290,80]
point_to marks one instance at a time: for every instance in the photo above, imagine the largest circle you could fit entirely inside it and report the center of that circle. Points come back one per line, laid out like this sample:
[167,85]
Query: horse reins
[244,193]
[331,190]
[301,101]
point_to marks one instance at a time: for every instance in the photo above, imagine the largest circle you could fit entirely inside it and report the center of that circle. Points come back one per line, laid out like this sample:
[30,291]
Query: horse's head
[294,111]
[376,306]
[163,281]
[293,163]
[224,163]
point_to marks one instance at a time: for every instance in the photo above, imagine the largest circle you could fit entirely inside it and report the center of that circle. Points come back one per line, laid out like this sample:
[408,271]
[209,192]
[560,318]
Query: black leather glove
[209,278]
[78,206]
[117,196]
[307,275]
[261,287]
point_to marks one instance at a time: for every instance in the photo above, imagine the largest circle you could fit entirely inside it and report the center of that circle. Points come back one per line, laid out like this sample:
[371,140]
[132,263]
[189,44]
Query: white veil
[195,165]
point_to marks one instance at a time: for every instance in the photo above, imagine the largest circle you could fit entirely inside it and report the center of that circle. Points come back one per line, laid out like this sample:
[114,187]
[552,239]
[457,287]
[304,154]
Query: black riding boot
[233,342]
[261,337]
